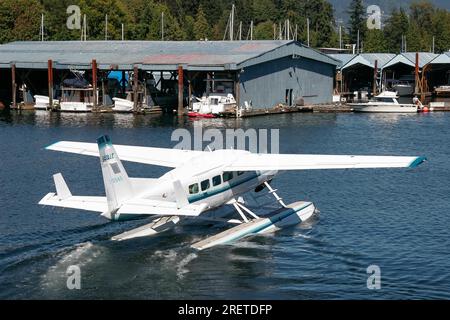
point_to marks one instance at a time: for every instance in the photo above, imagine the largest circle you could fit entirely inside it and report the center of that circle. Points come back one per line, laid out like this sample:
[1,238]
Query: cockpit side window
[227,176]
[194,189]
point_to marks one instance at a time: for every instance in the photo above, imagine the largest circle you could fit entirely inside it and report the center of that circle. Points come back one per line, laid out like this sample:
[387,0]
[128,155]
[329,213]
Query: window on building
[193,189]
[227,176]
[206,185]
[217,181]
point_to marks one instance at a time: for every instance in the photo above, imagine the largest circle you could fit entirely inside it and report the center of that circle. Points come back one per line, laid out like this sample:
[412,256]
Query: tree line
[205,19]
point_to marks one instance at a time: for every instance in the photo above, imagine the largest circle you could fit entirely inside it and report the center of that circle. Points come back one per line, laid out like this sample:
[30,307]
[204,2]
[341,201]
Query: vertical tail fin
[117,183]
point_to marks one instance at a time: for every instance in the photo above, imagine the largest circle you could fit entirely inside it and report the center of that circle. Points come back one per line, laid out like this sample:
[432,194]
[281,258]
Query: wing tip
[50,147]
[417,162]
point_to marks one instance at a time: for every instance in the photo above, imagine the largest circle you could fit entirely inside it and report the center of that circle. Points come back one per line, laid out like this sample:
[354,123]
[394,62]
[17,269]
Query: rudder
[118,185]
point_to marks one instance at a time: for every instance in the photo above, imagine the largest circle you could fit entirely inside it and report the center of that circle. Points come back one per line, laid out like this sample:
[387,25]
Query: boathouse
[263,74]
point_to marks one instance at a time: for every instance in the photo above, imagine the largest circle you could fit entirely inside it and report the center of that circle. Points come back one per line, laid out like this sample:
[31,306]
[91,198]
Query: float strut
[274,192]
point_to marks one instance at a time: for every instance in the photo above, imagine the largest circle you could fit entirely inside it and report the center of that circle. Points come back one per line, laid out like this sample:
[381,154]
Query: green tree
[201,27]
[96,12]
[20,20]
[397,26]
[441,30]
[322,22]
[375,41]
[357,21]
[264,31]
[264,10]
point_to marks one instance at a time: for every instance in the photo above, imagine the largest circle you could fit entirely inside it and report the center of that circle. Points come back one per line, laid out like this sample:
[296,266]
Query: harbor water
[395,219]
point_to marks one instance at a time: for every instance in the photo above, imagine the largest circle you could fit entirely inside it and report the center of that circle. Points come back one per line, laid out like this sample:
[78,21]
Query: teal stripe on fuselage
[225,188]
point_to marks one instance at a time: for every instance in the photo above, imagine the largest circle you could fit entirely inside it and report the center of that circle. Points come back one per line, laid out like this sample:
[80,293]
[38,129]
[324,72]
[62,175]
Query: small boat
[193,114]
[213,106]
[123,105]
[43,102]
[443,91]
[404,88]
[385,102]
[77,95]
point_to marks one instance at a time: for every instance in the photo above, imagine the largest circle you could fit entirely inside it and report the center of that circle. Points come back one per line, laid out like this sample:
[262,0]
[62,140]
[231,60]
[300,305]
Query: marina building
[262,74]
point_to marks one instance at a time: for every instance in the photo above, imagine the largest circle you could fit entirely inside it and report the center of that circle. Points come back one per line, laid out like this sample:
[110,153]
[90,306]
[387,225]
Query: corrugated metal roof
[409,58]
[156,55]
[442,59]
[399,59]
[382,58]
[344,58]
[424,57]
[368,59]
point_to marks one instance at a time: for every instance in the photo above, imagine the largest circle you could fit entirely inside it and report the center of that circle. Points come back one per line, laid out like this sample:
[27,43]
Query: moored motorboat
[385,102]
[212,106]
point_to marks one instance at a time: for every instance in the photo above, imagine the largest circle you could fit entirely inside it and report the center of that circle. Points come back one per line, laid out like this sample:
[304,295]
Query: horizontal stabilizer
[94,204]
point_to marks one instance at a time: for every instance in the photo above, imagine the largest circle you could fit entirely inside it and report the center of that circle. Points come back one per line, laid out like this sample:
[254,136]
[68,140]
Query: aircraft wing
[170,158]
[282,162]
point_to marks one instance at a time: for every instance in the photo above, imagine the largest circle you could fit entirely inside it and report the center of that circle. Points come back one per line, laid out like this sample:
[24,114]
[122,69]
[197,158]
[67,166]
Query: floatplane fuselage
[198,183]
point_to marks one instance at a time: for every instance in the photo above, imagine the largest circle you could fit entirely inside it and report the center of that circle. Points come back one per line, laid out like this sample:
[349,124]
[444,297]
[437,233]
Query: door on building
[289,97]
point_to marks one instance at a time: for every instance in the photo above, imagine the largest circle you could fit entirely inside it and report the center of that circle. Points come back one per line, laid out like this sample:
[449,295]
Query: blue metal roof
[152,55]
[344,58]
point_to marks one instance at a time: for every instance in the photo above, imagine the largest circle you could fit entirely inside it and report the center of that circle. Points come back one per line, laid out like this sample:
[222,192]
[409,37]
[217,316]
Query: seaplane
[198,183]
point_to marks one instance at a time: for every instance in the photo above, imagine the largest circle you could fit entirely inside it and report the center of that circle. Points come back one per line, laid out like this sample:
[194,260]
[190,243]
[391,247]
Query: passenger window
[227,176]
[193,189]
[240,173]
[217,181]
[206,185]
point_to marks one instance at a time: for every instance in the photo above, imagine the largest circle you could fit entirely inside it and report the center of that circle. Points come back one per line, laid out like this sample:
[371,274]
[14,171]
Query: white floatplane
[199,182]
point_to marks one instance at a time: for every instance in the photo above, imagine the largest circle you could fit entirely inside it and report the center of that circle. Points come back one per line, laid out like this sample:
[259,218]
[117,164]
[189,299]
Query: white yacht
[214,104]
[385,102]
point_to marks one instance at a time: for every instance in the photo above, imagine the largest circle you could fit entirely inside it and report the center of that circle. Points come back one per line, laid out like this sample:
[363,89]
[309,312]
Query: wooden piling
[94,81]
[14,86]
[208,84]
[124,82]
[135,87]
[375,78]
[237,91]
[416,90]
[190,91]
[50,84]
[180,91]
